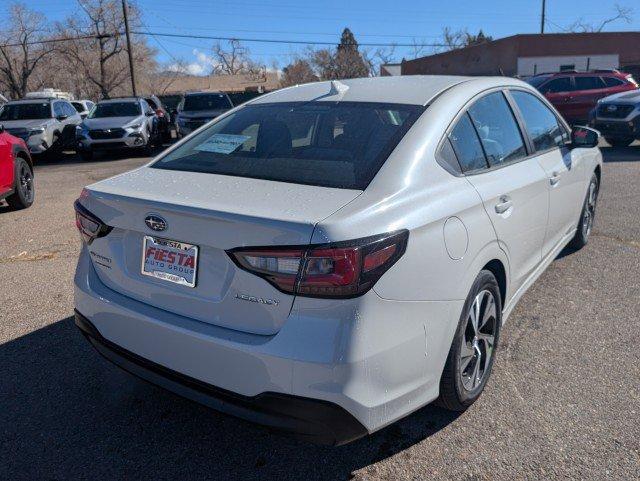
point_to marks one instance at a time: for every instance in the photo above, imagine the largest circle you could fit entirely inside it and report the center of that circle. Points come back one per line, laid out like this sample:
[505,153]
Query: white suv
[118,123]
[330,257]
[45,124]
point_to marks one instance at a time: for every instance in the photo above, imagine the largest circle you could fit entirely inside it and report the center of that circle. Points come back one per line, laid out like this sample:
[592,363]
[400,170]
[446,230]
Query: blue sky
[399,21]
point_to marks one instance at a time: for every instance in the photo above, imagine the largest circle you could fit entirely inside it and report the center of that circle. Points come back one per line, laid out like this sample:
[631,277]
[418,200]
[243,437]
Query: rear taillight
[159,113]
[89,225]
[342,269]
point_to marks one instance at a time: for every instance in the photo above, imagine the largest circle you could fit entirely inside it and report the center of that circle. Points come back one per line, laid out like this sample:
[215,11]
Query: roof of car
[187,94]
[33,100]
[410,89]
[120,99]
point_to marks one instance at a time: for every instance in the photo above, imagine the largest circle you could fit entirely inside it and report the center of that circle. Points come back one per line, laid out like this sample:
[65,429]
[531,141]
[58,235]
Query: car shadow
[621,154]
[66,410]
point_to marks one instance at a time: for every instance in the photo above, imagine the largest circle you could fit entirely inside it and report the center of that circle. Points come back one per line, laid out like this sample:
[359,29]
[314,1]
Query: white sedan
[330,257]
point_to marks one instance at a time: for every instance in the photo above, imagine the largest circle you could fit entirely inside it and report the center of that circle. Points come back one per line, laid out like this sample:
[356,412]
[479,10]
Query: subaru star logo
[155,222]
[612,108]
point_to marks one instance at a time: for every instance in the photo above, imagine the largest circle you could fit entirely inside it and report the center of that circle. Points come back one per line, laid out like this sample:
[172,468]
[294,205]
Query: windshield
[206,102]
[26,111]
[332,144]
[115,109]
[78,106]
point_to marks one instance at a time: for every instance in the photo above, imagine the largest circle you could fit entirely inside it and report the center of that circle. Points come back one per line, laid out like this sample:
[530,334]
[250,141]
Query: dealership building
[529,54]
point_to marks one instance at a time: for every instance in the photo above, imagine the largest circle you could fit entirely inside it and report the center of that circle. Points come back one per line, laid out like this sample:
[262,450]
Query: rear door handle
[504,204]
[554,179]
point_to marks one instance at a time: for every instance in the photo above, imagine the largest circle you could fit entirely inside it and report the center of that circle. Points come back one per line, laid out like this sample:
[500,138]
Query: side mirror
[584,137]
[62,117]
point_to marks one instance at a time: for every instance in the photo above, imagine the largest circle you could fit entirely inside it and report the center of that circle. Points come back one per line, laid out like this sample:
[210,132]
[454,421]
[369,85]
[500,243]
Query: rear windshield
[206,102]
[537,81]
[340,144]
[26,111]
[115,109]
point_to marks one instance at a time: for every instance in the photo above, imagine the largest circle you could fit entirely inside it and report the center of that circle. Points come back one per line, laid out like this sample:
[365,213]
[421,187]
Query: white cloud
[202,65]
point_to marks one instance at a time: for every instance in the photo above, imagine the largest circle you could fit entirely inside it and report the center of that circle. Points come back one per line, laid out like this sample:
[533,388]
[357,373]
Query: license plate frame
[180,261]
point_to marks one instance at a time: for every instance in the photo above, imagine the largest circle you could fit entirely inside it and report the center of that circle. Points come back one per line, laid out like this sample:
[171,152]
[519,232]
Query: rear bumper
[313,420]
[375,359]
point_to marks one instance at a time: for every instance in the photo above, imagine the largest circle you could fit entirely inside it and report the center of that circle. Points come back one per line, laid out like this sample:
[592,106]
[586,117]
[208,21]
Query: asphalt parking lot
[563,401]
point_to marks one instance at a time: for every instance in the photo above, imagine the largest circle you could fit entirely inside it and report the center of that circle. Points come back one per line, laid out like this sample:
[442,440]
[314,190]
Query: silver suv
[617,117]
[198,108]
[45,124]
[114,124]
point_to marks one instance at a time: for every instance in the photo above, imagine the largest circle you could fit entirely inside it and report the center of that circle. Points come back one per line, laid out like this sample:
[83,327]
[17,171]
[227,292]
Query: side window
[541,123]
[57,109]
[69,110]
[497,129]
[447,156]
[466,145]
[589,83]
[561,84]
[612,81]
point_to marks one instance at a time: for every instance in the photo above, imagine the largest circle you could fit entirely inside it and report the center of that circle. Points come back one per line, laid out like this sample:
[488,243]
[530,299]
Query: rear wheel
[472,352]
[24,188]
[587,215]
[618,141]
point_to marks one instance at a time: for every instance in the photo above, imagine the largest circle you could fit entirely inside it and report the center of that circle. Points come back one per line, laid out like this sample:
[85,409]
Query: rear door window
[333,144]
[588,83]
[540,121]
[497,128]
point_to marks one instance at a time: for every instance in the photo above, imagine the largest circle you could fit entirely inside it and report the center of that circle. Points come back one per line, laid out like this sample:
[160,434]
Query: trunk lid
[215,213]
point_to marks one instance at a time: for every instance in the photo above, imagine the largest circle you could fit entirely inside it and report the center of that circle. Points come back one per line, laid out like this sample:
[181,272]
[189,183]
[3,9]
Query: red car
[575,94]
[16,172]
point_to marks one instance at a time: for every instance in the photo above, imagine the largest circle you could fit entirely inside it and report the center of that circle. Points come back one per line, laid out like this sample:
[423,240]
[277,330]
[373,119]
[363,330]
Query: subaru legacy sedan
[330,257]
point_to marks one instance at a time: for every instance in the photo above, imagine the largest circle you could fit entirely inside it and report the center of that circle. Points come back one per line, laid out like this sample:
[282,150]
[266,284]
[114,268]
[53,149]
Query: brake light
[89,226]
[159,113]
[342,269]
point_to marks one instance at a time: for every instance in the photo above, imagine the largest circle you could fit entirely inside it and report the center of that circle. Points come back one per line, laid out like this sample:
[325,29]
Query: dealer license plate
[170,260]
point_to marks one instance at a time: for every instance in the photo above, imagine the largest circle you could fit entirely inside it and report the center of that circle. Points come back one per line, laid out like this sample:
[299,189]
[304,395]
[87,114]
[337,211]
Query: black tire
[86,154]
[24,187]
[619,142]
[587,215]
[454,394]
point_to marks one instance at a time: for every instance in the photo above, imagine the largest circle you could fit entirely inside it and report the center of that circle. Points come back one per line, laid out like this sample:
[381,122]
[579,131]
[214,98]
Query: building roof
[416,90]
[262,81]
[533,45]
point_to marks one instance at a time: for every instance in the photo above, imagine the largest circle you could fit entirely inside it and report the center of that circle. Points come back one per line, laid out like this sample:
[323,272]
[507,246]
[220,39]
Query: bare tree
[233,60]
[98,59]
[452,40]
[621,13]
[380,56]
[20,54]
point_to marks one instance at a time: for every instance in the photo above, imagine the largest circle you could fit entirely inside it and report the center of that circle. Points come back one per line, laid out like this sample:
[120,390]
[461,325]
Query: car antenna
[337,88]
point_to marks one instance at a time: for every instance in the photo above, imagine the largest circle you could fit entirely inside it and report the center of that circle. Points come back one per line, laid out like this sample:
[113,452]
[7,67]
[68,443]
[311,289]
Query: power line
[213,37]
[288,41]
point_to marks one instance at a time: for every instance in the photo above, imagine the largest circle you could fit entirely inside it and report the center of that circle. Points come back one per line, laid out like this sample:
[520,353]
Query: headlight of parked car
[37,131]
[135,126]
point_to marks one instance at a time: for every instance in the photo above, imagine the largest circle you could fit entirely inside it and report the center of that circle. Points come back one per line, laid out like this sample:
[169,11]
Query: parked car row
[606,99]
[49,123]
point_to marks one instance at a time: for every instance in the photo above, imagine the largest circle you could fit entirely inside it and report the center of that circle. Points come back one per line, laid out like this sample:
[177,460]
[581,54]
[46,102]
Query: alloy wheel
[589,209]
[26,182]
[477,346]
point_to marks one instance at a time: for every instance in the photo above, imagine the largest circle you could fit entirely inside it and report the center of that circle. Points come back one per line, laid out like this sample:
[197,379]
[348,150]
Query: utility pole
[125,13]
[544,8]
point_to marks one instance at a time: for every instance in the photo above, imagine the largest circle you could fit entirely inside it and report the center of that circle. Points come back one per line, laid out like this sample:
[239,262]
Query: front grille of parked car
[99,134]
[613,111]
[19,132]
[108,145]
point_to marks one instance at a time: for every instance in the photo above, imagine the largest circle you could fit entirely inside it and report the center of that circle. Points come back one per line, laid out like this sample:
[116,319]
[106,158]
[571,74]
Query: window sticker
[222,143]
